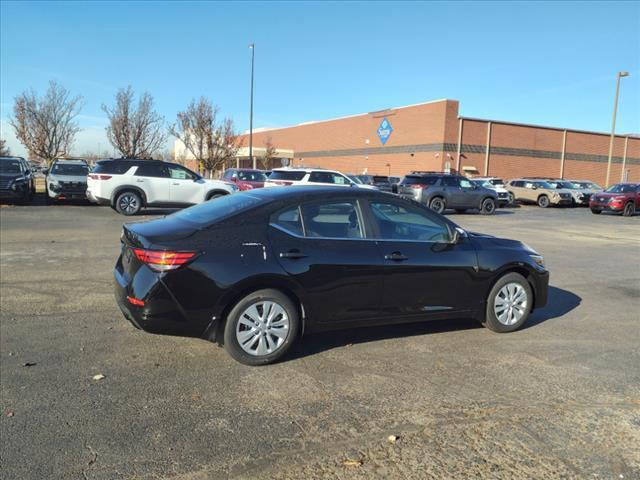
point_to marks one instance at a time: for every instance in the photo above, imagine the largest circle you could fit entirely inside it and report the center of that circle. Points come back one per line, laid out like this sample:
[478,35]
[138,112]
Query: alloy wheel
[629,209]
[488,206]
[543,201]
[129,203]
[262,328]
[437,204]
[510,304]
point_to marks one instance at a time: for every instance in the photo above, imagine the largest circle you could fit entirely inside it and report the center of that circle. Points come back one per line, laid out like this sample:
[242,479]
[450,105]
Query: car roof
[315,191]
[70,161]
[305,169]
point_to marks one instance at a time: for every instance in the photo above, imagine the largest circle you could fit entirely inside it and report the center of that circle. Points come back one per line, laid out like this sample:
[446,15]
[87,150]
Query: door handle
[396,256]
[175,184]
[293,254]
[140,180]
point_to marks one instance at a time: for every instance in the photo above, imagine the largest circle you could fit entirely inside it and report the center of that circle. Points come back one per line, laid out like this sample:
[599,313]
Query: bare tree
[212,144]
[46,126]
[269,154]
[135,132]
[4,150]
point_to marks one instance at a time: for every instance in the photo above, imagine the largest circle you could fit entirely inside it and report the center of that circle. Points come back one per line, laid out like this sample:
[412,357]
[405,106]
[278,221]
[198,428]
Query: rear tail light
[163,260]
[419,185]
[136,302]
[94,176]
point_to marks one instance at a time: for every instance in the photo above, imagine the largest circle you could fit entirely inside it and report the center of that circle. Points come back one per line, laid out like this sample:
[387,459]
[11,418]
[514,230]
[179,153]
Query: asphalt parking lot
[558,399]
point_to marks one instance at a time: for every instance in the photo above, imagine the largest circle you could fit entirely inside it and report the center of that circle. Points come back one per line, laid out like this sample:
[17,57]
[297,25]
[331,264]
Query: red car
[245,178]
[621,198]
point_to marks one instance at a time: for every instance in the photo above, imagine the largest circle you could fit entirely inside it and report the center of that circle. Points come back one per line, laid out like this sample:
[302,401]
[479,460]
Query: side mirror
[533,187]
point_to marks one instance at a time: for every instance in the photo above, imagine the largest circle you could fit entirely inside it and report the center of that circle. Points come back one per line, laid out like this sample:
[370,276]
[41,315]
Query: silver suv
[441,191]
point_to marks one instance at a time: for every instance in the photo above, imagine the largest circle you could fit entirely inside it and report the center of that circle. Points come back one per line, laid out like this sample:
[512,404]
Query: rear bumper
[95,199]
[160,313]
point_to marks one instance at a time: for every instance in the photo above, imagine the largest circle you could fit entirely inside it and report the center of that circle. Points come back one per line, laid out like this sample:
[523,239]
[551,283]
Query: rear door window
[289,220]
[332,220]
[450,182]
[158,170]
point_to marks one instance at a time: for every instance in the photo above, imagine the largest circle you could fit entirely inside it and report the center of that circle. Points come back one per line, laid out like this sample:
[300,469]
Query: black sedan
[258,269]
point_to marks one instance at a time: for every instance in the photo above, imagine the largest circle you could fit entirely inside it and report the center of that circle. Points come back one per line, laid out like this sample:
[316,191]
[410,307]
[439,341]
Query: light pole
[613,125]
[253,160]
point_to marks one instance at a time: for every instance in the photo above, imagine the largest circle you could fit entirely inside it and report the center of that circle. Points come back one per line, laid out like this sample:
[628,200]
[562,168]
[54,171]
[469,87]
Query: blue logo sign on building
[384,130]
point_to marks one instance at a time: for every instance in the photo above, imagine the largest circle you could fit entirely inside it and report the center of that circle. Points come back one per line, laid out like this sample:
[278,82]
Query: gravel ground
[558,399]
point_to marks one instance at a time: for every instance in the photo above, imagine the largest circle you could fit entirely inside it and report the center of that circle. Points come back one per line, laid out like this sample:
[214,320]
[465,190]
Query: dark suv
[441,191]
[16,179]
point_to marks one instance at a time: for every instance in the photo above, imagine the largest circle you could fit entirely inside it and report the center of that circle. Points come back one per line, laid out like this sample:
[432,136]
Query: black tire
[231,343]
[629,210]
[596,212]
[461,210]
[438,204]
[512,198]
[213,196]
[488,206]
[543,201]
[128,203]
[491,321]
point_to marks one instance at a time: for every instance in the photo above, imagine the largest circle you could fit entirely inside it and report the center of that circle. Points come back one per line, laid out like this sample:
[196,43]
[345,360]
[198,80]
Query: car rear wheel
[128,203]
[437,204]
[508,304]
[543,201]
[629,209]
[261,327]
[488,206]
[596,212]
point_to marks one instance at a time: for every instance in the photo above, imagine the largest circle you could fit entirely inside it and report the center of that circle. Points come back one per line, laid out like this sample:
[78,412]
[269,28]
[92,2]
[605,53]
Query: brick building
[432,136]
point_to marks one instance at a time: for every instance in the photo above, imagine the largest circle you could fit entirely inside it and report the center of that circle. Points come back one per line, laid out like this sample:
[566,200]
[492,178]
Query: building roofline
[545,127]
[313,122]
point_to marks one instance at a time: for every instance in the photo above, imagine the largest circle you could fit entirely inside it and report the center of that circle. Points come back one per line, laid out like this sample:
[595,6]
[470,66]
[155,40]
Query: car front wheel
[543,201]
[128,203]
[508,304]
[629,209]
[488,206]
[261,327]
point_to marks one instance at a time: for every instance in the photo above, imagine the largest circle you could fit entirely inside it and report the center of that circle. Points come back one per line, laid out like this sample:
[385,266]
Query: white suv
[309,176]
[129,185]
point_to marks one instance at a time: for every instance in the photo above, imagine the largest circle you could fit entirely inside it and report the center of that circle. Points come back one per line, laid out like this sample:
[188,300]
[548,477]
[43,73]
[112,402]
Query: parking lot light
[613,124]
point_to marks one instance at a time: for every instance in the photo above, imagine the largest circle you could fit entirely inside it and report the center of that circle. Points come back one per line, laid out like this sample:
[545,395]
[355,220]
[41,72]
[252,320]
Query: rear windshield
[420,180]
[496,181]
[286,175]
[380,179]
[10,166]
[251,176]
[219,208]
[69,169]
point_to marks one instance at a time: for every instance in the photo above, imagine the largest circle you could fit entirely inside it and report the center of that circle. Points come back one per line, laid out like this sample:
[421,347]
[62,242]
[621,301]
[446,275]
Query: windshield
[69,169]
[484,183]
[622,188]
[218,209]
[251,176]
[555,184]
[10,166]
[593,186]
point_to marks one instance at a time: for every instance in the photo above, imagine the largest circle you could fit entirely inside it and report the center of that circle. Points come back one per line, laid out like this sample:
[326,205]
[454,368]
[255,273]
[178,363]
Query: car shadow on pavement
[560,302]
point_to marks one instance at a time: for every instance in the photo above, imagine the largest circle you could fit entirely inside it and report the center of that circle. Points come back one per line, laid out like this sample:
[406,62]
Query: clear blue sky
[544,63]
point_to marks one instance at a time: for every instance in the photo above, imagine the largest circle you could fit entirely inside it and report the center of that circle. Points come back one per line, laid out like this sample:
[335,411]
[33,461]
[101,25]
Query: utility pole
[613,124]
[253,160]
